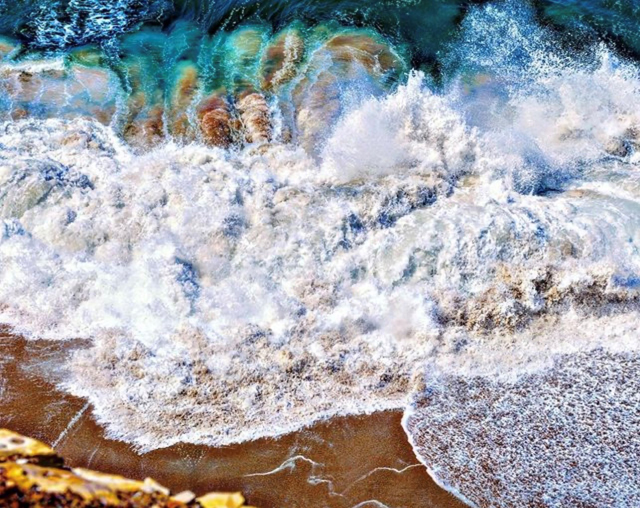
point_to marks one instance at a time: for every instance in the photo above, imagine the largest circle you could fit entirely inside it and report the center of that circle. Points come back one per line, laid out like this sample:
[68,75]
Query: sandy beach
[346,462]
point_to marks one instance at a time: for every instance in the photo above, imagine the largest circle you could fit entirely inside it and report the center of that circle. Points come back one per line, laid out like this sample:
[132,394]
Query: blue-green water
[147,46]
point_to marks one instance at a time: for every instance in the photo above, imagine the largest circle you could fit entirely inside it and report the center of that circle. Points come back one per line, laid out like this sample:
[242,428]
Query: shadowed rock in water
[6,46]
[184,93]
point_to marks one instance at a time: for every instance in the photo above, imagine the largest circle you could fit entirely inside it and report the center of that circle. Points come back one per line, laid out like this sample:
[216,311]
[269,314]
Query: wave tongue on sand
[477,230]
[561,437]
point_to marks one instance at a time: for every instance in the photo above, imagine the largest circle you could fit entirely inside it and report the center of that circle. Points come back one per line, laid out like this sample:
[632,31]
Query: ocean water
[263,214]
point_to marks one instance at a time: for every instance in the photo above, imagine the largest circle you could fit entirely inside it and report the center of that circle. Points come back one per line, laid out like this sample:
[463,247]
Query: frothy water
[562,437]
[371,226]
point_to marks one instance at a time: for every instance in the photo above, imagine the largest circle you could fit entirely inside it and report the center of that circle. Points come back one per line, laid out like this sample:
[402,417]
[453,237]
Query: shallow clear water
[265,214]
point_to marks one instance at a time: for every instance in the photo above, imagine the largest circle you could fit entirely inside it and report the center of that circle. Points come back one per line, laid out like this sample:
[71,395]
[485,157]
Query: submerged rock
[7,46]
[90,56]
[242,58]
[281,60]
[349,63]
[183,94]
[255,116]
[144,122]
[223,93]
[46,88]
[215,120]
[32,474]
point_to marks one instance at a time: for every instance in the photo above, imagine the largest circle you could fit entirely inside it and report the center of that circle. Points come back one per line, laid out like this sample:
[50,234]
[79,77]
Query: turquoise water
[152,49]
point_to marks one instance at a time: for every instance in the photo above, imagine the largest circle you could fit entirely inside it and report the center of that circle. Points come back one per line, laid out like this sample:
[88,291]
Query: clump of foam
[234,389]
[412,131]
[518,296]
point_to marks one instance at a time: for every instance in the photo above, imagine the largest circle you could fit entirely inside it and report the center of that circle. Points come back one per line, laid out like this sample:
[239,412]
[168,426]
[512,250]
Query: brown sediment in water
[362,461]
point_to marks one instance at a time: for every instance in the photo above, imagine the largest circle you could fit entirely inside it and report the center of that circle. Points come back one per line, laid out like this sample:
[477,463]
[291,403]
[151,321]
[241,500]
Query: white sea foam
[233,295]
[564,436]
[542,417]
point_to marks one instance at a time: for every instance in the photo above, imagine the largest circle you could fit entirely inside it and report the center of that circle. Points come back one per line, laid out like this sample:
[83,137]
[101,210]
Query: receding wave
[561,437]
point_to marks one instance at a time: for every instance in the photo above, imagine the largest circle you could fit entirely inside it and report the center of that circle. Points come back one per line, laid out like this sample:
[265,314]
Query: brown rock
[30,485]
[25,482]
[14,447]
[216,122]
[218,500]
[255,117]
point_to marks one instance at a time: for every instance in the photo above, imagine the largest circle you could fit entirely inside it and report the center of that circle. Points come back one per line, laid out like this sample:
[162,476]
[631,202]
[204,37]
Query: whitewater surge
[350,256]
[229,290]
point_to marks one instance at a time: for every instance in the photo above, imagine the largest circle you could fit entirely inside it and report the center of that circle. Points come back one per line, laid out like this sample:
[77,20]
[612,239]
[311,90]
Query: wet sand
[346,462]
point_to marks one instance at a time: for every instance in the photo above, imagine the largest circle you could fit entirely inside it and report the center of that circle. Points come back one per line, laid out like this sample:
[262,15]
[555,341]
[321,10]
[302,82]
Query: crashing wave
[330,280]
[288,227]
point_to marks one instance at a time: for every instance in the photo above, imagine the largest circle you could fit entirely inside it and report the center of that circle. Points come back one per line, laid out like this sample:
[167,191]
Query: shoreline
[341,462]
